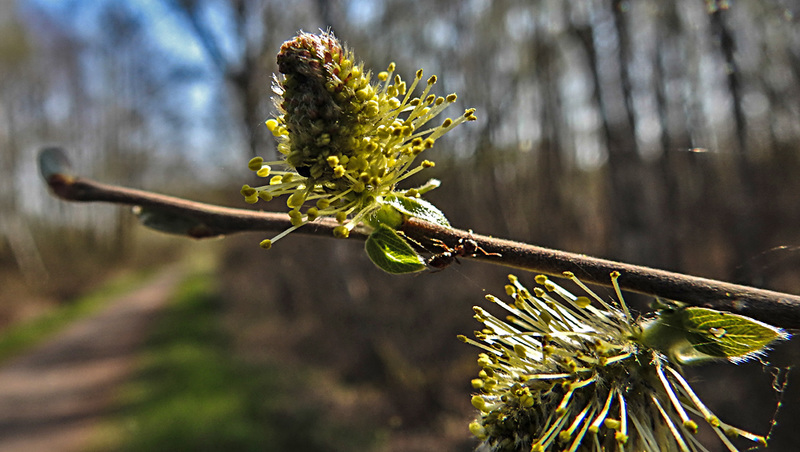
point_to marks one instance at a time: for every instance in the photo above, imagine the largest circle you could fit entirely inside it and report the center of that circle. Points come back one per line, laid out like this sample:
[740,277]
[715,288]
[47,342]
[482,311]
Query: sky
[165,37]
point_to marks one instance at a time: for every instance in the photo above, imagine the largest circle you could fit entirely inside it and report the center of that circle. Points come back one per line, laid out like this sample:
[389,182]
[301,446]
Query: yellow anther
[341,232]
[296,199]
[333,161]
[255,163]
[264,172]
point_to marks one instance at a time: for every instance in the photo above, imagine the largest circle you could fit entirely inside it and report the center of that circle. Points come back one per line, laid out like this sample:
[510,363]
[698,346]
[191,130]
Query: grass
[193,394]
[20,337]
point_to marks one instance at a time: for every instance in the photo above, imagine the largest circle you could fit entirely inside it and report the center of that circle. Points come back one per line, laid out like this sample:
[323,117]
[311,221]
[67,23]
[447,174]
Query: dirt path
[53,396]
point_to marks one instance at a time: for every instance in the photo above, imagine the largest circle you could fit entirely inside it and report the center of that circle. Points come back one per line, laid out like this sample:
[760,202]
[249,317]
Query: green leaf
[693,335]
[428,186]
[418,208]
[391,253]
[386,215]
[725,335]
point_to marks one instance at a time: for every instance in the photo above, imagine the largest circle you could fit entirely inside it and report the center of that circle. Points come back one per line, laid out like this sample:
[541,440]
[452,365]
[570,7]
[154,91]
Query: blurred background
[657,133]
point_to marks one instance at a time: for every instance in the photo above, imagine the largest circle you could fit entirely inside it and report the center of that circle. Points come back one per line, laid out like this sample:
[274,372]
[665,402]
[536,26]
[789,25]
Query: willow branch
[200,220]
[772,307]
[181,216]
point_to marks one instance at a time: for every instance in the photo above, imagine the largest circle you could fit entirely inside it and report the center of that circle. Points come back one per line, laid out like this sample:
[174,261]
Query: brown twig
[197,220]
[775,308]
[201,220]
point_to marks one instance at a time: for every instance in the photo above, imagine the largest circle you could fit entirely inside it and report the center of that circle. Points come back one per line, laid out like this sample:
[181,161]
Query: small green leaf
[391,253]
[418,208]
[725,335]
[693,335]
[387,215]
[428,186]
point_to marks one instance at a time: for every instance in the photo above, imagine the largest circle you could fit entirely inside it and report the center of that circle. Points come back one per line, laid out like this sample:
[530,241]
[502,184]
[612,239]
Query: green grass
[193,394]
[20,337]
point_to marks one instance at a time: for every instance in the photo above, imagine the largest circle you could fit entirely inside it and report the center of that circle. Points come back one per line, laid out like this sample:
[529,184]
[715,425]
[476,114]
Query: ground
[53,397]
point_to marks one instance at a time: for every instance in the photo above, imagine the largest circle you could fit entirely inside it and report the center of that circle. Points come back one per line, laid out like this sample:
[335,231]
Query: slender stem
[775,308]
[201,220]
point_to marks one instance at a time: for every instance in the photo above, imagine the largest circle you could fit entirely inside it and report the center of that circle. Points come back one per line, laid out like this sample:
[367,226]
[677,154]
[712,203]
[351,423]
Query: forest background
[656,133]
